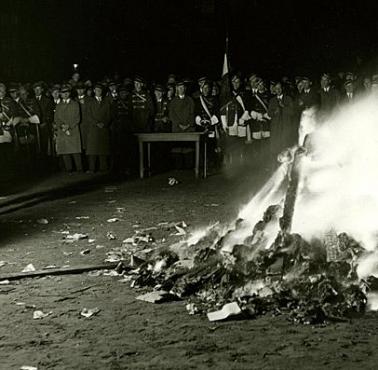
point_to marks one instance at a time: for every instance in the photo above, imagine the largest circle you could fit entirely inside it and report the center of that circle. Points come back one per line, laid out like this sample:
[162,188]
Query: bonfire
[303,247]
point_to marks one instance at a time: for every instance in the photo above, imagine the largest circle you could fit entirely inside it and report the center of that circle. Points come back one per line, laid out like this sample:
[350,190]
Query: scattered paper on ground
[40,314]
[154,297]
[76,236]
[43,221]
[114,219]
[89,312]
[228,310]
[29,268]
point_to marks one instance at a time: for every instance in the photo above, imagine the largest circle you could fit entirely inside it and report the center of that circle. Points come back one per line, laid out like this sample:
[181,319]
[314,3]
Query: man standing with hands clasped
[66,121]
[98,135]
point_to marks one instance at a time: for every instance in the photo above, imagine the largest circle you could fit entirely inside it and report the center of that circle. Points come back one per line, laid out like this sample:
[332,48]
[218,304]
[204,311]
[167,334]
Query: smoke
[339,177]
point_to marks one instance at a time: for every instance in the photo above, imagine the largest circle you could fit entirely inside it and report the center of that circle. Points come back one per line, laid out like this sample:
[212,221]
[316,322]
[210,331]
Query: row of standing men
[70,122]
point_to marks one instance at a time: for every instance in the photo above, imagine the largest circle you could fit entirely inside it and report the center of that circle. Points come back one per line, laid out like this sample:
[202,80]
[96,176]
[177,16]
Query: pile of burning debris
[309,282]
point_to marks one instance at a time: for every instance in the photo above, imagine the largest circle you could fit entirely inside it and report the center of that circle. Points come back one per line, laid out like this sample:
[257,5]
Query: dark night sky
[40,39]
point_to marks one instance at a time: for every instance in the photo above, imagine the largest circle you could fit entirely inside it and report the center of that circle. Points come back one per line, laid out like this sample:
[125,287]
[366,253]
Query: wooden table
[171,137]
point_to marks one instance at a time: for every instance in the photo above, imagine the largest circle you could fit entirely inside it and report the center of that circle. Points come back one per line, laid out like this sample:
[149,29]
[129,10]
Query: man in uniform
[6,134]
[258,126]
[98,138]
[234,117]
[207,120]
[68,140]
[142,108]
[161,119]
[123,141]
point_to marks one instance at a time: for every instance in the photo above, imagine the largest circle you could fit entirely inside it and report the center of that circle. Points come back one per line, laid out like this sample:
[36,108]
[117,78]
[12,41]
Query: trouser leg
[67,160]
[103,161]
[92,162]
[78,162]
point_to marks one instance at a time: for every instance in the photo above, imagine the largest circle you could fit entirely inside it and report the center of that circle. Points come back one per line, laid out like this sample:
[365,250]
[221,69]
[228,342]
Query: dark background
[41,39]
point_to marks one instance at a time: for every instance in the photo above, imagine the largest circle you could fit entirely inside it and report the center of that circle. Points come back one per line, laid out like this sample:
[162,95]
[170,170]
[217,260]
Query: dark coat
[344,99]
[98,138]
[329,100]
[44,108]
[161,120]
[307,100]
[142,110]
[181,114]
[69,114]
[203,120]
[284,125]
[85,118]
[258,103]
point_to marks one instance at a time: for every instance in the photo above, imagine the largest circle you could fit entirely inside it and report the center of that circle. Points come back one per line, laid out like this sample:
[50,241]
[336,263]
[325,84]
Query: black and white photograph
[188,184]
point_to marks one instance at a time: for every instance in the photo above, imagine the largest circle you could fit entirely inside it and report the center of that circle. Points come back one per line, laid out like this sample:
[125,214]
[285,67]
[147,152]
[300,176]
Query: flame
[339,179]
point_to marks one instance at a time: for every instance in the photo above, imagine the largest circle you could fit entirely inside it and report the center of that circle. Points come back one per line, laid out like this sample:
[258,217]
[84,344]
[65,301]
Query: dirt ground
[126,333]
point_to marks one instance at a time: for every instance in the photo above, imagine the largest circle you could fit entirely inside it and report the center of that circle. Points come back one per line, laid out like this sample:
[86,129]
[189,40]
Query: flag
[225,69]
[225,88]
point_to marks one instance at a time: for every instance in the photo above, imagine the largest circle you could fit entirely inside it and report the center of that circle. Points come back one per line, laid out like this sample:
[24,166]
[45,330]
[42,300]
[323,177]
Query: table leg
[204,159]
[149,158]
[141,160]
[197,158]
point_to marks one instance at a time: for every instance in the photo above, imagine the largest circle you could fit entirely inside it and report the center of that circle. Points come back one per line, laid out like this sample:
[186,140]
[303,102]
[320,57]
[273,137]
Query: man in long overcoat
[68,140]
[44,108]
[85,113]
[284,122]
[98,139]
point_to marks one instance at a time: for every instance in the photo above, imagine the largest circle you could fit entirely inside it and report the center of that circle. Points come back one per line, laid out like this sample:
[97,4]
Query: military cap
[159,87]
[275,83]
[348,82]
[326,76]
[139,79]
[13,86]
[80,85]
[252,76]
[38,84]
[236,76]
[127,81]
[208,83]
[66,88]
[202,79]
[112,83]
[99,85]
[305,78]
[180,83]
[124,88]
[55,87]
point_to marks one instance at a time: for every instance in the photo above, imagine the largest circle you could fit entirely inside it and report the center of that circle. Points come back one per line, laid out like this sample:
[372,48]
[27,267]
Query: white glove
[198,120]
[214,120]
[224,122]
[254,115]
[246,116]
[266,116]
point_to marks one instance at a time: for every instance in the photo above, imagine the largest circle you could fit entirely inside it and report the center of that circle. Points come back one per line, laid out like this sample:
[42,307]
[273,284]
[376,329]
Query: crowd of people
[90,127]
